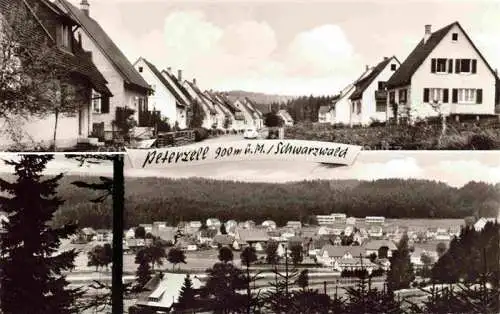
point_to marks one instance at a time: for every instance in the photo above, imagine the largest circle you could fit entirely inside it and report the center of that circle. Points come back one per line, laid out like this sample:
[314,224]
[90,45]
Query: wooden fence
[171,139]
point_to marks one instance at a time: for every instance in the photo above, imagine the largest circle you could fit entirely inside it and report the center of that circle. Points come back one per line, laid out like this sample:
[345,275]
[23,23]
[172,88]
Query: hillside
[261,100]
[149,199]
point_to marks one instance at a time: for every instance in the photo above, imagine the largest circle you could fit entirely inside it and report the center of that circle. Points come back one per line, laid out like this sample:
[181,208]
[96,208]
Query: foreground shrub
[200,134]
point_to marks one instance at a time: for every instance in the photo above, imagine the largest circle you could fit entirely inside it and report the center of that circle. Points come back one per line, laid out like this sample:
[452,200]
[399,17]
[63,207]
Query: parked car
[251,134]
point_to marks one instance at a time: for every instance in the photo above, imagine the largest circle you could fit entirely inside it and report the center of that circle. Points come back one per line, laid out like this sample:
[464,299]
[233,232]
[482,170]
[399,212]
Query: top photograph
[105,76]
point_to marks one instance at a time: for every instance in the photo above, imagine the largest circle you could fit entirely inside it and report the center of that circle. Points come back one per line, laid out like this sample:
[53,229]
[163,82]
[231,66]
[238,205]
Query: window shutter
[426,95]
[105,104]
[445,95]
[474,66]
[433,66]
[479,96]
[454,96]
[450,65]
[457,65]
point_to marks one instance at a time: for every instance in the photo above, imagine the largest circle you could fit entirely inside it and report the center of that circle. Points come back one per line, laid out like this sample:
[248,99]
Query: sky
[454,168]
[285,47]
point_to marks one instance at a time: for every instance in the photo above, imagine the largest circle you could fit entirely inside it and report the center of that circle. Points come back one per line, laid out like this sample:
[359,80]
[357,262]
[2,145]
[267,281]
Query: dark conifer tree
[31,268]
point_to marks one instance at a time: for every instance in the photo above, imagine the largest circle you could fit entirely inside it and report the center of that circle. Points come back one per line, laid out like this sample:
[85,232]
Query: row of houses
[445,74]
[106,82]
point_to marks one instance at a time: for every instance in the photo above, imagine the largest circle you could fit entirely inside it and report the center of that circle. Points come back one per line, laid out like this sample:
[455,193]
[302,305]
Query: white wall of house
[423,78]
[41,130]
[161,100]
[249,120]
[369,112]
[181,117]
[343,108]
[121,96]
[207,120]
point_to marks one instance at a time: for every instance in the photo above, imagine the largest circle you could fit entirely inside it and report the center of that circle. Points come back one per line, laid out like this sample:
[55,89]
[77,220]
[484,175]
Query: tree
[198,115]
[223,229]
[140,232]
[31,266]
[107,255]
[225,254]
[303,279]
[143,273]
[176,256]
[272,252]
[34,82]
[441,248]
[94,257]
[400,274]
[187,295]
[296,254]
[223,282]
[157,252]
[124,121]
[271,119]
[248,256]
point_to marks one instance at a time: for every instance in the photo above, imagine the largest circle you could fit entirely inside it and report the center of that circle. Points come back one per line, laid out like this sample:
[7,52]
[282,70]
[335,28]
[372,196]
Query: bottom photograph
[395,232]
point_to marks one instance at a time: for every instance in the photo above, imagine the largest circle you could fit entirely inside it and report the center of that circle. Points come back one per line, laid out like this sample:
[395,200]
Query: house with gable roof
[342,107]
[221,116]
[369,99]
[210,115]
[444,74]
[229,118]
[129,89]
[166,97]
[257,114]
[324,114]
[183,112]
[248,116]
[330,253]
[50,25]
[285,116]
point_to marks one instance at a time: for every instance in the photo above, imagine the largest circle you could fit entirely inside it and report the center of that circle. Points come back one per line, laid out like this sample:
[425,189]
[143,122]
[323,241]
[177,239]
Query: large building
[334,218]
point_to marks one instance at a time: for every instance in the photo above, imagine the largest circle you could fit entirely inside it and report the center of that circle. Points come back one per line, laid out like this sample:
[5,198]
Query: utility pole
[118,207]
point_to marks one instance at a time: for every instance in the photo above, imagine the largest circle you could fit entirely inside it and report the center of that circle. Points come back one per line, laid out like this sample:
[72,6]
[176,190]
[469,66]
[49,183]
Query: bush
[200,134]
[482,142]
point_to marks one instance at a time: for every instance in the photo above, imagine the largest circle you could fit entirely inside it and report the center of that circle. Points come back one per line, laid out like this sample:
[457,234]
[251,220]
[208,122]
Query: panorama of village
[443,95]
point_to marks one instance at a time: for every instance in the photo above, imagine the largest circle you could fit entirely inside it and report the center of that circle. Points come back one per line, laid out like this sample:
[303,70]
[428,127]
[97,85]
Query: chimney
[385,58]
[179,75]
[169,70]
[367,67]
[194,81]
[85,6]
[428,32]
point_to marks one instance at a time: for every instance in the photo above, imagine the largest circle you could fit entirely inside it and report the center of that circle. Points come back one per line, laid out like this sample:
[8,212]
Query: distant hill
[262,100]
[148,199]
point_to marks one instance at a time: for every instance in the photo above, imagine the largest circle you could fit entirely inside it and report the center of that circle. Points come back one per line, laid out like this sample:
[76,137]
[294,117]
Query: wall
[368,103]
[423,78]
[161,99]
[343,108]
[249,121]
[207,121]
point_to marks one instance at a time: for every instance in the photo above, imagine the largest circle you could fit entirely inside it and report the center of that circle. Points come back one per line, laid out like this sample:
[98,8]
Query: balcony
[381,95]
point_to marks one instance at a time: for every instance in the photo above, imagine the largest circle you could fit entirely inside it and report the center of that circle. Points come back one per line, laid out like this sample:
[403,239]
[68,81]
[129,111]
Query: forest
[173,200]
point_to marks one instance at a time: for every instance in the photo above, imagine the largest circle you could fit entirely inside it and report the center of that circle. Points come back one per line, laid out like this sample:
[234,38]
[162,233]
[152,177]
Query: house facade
[129,89]
[286,117]
[248,117]
[184,106]
[50,23]
[210,115]
[444,75]
[324,114]
[369,99]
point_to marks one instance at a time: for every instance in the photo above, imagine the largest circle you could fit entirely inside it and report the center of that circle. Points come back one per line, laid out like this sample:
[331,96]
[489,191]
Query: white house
[197,95]
[258,116]
[248,116]
[324,114]
[342,107]
[54,25]
[269,224]
[128,87]
[220,115]
[285,116]
[185,98]
[229,119]
[445,74]
[369,99]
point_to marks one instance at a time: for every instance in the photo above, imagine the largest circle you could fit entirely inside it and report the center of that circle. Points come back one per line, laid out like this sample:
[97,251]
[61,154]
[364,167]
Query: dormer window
[393,67]
[454,36]
[140,69]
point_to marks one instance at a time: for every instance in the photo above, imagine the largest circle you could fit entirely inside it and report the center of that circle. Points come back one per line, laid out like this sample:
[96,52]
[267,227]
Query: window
[393,67]
[467,96]
[359,108]
[466,66]
[402,96]
[436,95]
[441,65]
[140,69]
[381,85]
[96,102]
[392,97]
[454,36]
[381,106]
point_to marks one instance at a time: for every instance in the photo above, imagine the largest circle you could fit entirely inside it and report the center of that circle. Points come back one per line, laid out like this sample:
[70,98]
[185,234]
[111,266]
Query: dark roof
[178,84]
[78,62]
[109,48]
[165,82]
[365,82]
[403,74]
[324,109]
[202,97]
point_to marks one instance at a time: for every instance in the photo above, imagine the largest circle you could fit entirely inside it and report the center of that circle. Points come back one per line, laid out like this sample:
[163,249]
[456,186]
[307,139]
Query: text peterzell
[202,153]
